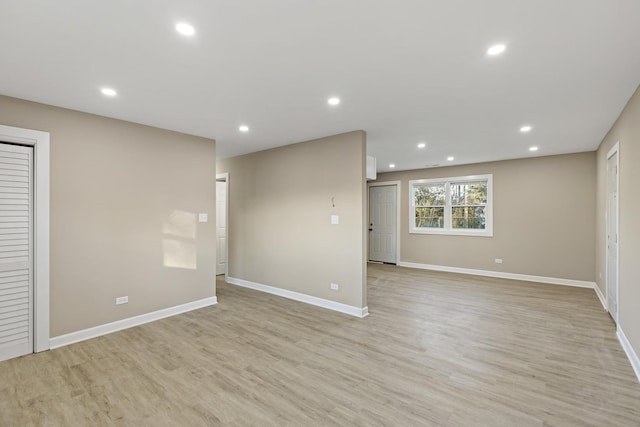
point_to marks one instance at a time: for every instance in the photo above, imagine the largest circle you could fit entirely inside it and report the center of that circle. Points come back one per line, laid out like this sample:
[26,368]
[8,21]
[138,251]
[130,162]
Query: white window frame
[447,229]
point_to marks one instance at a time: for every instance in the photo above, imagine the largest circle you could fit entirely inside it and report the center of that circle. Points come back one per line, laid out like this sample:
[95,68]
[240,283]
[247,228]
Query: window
[460,205]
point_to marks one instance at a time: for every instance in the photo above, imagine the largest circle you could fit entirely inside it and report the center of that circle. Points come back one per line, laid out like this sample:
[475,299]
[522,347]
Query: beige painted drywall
[544,219]
[280,203]
[124,200]
[626,130]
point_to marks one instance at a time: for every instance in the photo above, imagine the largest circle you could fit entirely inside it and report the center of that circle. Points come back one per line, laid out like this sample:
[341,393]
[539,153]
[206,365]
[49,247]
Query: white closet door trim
[40,143]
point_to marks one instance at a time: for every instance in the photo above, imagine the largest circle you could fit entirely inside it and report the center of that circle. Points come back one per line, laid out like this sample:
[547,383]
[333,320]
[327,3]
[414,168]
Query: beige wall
[279,217]
[124,199]
[544,219]
[627,131]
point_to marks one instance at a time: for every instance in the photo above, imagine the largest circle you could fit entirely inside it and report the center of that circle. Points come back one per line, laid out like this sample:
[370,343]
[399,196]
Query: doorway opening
[612,216]
[384,224]
[222,222]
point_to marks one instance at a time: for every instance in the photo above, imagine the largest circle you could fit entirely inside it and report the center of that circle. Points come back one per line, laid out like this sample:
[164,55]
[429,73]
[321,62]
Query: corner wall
[543,219]
[626,130]
[280,204]
[124,204]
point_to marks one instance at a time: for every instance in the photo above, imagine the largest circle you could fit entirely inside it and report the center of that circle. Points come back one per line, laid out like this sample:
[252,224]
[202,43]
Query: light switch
[335,220]
[203,217]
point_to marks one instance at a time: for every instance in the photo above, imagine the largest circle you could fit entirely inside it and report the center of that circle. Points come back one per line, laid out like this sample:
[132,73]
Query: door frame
[398,185]
[614,150]
[219,178]
[40,142]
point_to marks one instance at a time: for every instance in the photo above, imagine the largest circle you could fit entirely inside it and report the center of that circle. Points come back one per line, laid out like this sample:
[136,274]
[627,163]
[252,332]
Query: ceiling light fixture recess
[450,159]
[333,101]
[534,148]
[243,128]
[496,49]
[392,165]
[107,91]
[422,145]
[185,29]
[525,129]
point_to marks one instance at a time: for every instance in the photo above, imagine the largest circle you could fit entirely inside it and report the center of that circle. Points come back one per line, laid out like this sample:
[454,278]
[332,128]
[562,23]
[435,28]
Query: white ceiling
[406,70]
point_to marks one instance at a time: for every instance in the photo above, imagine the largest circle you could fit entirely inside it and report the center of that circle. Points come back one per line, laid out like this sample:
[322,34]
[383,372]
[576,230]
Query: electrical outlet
[498,260]
[122,300]
[335,287]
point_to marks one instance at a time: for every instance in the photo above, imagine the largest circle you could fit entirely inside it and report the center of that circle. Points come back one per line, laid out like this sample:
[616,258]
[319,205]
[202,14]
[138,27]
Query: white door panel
[221,227]
[16,281]
[382,223]
[612,236]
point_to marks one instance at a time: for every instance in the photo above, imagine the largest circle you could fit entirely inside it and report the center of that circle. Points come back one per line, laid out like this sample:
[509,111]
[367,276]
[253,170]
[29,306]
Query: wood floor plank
[438,349]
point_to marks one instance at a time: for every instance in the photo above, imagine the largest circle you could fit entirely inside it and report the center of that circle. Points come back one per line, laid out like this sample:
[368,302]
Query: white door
[16,267]
[612,235]
[221,226]
[382,223]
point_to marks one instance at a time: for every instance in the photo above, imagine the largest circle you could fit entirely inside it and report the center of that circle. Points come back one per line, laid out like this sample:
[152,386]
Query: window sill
[478,233]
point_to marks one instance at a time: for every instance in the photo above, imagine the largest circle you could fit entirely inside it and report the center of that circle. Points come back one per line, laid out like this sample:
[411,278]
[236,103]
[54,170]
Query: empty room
[286,213]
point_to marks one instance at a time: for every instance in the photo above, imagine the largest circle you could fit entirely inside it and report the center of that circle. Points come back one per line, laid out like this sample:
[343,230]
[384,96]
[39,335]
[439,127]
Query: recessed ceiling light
[243,128]
[496,49]
[422,145]
[534,148]
[450,159]
[392,165]
[185,29]
[108,91]
[525,129]
[333,101]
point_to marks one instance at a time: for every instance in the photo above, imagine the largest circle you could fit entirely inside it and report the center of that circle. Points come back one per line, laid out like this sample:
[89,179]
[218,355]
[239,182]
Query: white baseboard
[119,325]
[501,275]
[631,354]
[296,296]
[601,297]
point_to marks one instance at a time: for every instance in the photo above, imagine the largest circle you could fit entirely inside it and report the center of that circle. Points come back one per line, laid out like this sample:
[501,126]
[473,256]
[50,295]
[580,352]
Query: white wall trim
[40,143]
[296,296]
[601,297]
[631,354]
[119,325]
[501,275]
[398,185]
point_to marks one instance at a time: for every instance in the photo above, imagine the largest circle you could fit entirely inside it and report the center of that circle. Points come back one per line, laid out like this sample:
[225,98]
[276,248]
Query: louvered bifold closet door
[16,259]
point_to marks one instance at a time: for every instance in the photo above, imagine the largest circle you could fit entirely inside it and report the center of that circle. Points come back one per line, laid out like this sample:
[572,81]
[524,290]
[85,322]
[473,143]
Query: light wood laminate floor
[438,349]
